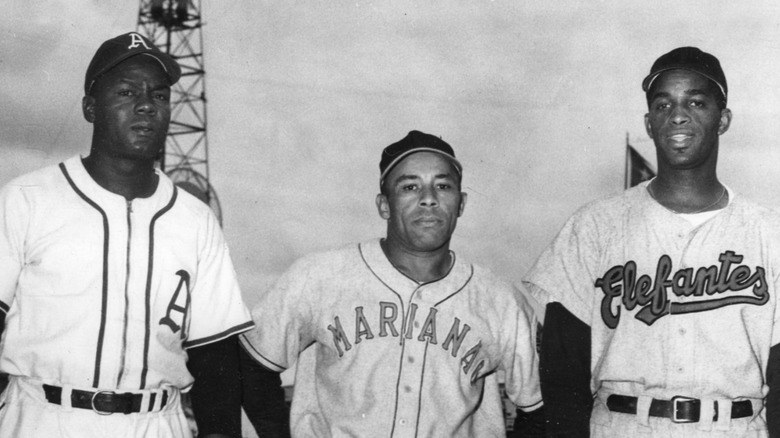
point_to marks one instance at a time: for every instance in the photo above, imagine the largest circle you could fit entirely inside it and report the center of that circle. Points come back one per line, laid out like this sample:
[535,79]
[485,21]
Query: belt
[105,402]
[678,409]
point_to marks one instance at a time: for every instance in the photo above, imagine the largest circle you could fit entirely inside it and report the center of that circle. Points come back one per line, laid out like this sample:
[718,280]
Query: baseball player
[662,317]
[110,277]
[399,337]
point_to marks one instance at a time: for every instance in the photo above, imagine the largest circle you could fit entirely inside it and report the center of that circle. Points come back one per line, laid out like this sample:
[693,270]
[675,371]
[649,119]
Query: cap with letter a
[122,47]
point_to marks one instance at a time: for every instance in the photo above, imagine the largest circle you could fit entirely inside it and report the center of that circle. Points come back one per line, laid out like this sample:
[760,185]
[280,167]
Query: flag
[637,168]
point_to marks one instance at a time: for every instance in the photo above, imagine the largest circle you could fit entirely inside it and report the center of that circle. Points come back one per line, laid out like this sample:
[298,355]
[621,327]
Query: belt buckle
[92,403]
[676,399]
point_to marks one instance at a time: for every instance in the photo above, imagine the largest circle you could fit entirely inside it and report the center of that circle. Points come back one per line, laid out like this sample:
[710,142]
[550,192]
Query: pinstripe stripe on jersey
[149,271]
[104,300]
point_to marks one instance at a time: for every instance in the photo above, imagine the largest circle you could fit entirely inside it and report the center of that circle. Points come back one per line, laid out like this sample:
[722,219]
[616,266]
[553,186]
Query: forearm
[564,372]
[216,394]
[263,398]
[773,397]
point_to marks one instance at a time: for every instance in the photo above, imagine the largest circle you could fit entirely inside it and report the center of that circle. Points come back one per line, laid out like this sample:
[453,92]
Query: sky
[536,97]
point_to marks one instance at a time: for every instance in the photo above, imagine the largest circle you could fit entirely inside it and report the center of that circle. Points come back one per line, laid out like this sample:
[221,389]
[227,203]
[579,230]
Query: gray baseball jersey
[386,356]
[674,307]
[101,292]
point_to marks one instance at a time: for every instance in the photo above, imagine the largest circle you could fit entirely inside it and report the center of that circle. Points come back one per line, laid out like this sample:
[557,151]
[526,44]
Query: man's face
[130,109]
[684,120]
[421,202]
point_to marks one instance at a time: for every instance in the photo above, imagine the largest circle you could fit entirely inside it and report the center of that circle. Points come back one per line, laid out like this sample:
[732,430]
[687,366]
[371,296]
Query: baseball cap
[415,141]
[688,58]
[124,46]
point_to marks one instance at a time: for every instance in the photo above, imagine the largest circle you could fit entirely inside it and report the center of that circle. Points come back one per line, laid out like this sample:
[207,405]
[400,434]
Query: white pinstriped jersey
[674,308]
[388,357]
[105,293]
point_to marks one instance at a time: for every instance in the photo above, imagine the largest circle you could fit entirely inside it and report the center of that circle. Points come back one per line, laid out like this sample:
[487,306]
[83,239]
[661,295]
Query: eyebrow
[410,177]
[689,92]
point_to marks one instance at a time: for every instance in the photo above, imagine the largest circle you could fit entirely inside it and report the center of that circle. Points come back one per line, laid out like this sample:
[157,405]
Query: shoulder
[328,260]
[194,212]
[614,205]
[45,182]
[750,212]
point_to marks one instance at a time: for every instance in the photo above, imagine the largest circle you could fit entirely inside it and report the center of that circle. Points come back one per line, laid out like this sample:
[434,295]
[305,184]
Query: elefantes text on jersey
[651,294]
[388,314]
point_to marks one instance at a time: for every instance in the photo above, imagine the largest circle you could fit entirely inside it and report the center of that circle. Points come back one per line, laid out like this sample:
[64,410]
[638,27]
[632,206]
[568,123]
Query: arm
[773,397]
[263,398]
[564,369]
[216,394]
[529,424]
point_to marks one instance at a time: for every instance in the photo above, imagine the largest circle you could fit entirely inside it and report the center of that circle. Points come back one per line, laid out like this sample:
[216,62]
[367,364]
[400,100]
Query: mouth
[680,137]
[142,129]
[428,221]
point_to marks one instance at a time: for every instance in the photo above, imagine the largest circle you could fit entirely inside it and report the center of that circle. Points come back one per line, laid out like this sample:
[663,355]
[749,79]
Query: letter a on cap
[136,40]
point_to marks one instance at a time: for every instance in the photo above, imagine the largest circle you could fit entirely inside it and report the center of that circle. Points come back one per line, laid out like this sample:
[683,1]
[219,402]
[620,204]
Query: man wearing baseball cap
[116,289]
[662,315]
[399,336]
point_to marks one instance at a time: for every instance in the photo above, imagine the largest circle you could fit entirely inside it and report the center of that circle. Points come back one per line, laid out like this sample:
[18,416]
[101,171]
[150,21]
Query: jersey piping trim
[255,354]
[149,271]
[104,299]
[468,280]
[419,393]
[4,307]
[241,328]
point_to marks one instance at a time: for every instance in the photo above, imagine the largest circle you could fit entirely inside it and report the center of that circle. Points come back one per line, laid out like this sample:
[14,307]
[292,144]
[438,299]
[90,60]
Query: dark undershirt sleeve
[564,370]
[529,424]
[773,397]
[216,393]
[263,398]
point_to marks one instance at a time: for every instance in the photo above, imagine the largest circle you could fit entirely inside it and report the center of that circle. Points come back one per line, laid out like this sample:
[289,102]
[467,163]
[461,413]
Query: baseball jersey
[385,356]
[674,308]
[108,293]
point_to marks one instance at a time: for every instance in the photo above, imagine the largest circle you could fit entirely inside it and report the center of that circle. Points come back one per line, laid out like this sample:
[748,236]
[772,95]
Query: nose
[145,104]
[680,115]
[428,197]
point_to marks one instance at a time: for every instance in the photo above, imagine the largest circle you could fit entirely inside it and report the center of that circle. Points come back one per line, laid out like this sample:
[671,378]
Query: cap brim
[172,71]
[398,159]
[648,82]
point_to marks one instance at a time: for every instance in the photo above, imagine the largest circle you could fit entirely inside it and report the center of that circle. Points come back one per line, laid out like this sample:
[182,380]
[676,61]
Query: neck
[128,178]
[421,267]
[689,193]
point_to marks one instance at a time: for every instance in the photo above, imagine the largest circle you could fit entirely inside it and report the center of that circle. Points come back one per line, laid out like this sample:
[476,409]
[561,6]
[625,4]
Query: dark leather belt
[105,402]
[678,409]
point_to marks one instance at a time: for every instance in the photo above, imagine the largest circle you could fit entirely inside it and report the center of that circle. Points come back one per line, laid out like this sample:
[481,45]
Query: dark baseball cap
[688,58]
[415,141]
[124,46]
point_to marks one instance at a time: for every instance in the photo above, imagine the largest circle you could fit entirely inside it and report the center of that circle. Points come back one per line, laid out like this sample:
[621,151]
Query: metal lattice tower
[175,27]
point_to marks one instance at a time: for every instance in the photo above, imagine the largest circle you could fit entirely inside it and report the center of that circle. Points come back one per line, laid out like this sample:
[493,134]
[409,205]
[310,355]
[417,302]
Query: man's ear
[383,206]
[463,198]
[88,108]
[725,121]
[648,128]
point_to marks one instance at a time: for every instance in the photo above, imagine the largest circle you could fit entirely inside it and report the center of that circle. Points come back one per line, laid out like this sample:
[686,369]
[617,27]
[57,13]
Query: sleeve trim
[256,355]
[219,336]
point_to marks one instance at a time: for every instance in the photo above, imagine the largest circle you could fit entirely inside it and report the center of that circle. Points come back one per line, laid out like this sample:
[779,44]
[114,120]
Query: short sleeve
[521,359]
[218,309]
[282,320]
[565,271]
[14,216]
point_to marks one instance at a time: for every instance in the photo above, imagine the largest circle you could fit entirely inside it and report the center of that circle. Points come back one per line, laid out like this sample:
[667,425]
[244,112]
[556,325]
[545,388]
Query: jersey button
[408,388]
[403,422]
[411,359]
[682,331]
